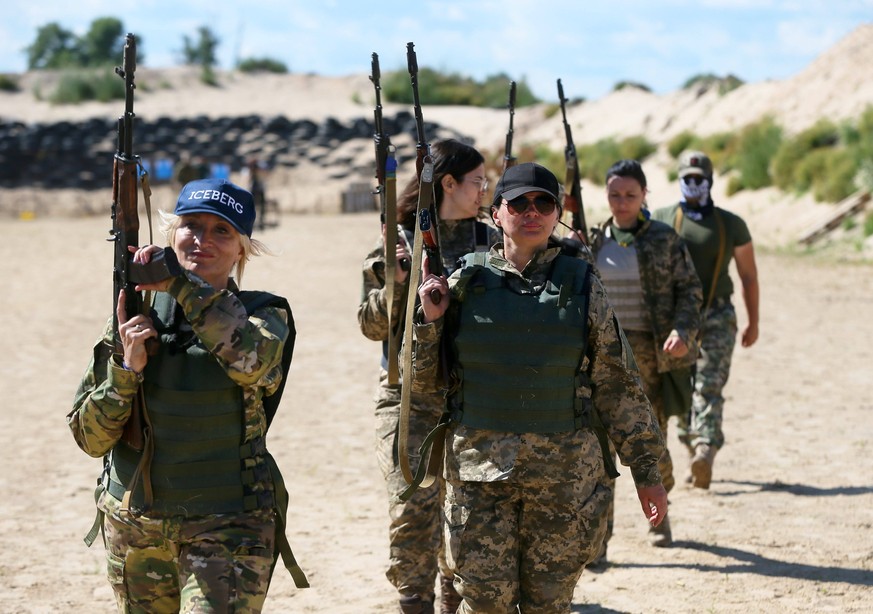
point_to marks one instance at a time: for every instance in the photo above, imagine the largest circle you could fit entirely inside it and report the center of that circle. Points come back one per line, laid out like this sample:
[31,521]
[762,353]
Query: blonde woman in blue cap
[193,516]
[541,377]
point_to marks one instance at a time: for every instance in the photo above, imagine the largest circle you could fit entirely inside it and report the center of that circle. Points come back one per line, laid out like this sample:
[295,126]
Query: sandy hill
[837,85]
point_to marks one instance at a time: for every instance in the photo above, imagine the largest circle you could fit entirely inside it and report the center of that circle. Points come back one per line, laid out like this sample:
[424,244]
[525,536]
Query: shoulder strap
[481,230]
[719,260]
[254,300]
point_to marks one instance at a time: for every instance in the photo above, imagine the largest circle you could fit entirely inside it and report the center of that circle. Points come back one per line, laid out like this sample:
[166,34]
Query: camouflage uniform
[672,296]
[414,529]
[525,512]
[162,564]
[719,322]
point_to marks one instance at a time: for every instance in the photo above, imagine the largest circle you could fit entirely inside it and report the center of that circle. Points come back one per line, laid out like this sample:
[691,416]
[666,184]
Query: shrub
[757,144]
[79,86]
[868,224]
[8,83]
[679,143]
[455,89]
[709,80]
[836,179]
[250,65]
[623,84]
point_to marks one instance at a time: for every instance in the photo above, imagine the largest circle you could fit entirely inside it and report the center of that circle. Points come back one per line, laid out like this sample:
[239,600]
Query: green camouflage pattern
[559,530]
[218,563]
[248,347]
[415,552]
[561,472]
[204,563]
[672,291]
[719,328]
[719,337]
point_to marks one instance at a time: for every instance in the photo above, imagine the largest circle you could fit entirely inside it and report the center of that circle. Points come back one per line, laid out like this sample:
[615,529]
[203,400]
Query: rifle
[508,159]
[426,215]
[386,176]
[125,232]
[426,241]
[572,185]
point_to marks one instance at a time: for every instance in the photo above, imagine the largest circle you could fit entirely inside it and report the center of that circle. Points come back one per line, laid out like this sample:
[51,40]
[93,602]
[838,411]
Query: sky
[589,44]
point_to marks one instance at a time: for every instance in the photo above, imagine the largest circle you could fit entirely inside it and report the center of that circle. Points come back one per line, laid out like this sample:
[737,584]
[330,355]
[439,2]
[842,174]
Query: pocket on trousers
[115,573]
[454,528]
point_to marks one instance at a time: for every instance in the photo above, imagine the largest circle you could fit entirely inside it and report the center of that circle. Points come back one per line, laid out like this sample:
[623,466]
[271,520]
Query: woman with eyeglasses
[542,379]
[656,294]
[415,551]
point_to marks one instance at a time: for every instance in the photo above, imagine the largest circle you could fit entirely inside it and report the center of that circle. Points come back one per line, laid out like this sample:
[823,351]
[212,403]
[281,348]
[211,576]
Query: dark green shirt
[703,243]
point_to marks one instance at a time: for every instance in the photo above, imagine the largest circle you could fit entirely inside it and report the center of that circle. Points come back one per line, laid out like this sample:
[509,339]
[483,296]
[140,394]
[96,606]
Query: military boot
[661,536]
[415,604]
[450,600]
[701,465]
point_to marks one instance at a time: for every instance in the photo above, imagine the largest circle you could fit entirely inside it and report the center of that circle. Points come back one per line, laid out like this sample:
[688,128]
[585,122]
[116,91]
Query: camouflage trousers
[719,336]
[643,346]
[415,527]
[218,563]
[522,543]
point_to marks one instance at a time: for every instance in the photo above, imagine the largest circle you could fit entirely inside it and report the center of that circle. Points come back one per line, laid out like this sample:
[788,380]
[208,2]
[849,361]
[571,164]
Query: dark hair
[627,168]
[450,157]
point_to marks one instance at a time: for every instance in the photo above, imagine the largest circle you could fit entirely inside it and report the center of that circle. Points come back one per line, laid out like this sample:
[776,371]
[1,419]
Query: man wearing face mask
[714,236]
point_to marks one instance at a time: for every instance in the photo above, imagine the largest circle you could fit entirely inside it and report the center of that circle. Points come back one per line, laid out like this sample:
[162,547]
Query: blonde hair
[171,222]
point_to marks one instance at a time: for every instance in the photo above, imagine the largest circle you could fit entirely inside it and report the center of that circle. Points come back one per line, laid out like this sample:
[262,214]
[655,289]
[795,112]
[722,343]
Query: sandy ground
[786,527]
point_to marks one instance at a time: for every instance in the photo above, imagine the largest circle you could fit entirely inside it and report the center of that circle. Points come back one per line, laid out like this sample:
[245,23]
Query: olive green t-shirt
[702,241]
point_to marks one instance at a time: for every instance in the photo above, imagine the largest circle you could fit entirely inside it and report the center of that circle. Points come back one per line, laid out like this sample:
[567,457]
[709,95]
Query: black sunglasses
[545,205]
[696,179]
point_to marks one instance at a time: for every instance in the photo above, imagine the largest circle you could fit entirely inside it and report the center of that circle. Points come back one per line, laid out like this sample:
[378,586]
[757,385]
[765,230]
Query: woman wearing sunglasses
[656,294]
[541,377]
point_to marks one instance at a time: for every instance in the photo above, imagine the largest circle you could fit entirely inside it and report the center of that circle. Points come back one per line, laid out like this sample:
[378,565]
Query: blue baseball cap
[219,197]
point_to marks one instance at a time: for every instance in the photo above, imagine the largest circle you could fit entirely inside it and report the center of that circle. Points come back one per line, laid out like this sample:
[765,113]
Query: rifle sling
[390,196]
[722,240]
[425,200]
[140,425]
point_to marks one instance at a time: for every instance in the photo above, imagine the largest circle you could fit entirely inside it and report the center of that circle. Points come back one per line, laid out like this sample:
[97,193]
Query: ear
[494,216]
[448,182]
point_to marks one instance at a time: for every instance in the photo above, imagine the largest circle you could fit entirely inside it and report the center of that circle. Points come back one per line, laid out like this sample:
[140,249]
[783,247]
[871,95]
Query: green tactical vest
[518,355]
[200,464]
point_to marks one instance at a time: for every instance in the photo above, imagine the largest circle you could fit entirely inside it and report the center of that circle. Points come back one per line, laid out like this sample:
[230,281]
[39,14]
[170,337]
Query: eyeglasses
[482,183]
[544,205]
[696,179]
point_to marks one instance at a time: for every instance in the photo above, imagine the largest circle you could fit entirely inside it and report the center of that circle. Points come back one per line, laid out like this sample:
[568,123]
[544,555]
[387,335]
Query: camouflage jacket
[671,289]
[457,238]
[614,388]
[249,348]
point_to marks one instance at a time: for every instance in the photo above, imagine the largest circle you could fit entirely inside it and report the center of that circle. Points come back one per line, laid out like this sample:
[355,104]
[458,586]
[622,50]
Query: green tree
[104,42]
[201,53]
[54,47]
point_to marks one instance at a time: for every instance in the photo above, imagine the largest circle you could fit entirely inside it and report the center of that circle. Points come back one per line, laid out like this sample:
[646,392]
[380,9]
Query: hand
[400,254]
[654,502]
[750,335]
[134,333]
[429,284]
[143,255]
[674,346]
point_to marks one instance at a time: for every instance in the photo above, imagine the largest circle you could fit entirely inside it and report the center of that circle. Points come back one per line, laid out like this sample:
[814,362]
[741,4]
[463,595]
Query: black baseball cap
[523,178]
